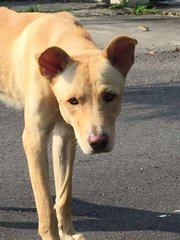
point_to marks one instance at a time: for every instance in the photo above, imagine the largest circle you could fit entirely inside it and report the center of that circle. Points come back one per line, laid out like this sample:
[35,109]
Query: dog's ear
[52,62]
[120,53]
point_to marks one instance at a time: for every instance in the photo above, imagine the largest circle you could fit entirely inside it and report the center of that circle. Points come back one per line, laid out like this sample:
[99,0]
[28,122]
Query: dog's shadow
[94,217]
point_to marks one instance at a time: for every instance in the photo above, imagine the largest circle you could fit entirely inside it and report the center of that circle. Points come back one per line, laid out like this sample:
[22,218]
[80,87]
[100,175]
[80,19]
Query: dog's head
[89,89]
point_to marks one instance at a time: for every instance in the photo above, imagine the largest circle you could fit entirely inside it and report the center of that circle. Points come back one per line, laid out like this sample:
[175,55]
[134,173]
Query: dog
[67,86]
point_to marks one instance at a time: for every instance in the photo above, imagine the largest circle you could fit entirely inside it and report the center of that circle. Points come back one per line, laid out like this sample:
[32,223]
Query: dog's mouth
[100,151]
[91,151]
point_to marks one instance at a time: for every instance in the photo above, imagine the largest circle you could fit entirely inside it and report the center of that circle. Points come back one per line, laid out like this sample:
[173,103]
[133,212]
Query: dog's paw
[79,237]
[50,238]
[76,236]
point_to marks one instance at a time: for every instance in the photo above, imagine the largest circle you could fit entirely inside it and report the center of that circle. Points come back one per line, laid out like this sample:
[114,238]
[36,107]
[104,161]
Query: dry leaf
[143,28]
[177,49]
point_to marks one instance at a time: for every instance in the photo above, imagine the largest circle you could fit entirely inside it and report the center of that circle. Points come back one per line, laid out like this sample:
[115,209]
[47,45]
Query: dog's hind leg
[64,145]
[35,140]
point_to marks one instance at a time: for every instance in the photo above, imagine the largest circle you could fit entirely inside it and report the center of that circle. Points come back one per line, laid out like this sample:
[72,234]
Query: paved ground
[131,193]
[84,8]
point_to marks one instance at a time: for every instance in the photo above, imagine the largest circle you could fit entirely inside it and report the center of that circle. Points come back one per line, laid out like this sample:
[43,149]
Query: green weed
[144,9]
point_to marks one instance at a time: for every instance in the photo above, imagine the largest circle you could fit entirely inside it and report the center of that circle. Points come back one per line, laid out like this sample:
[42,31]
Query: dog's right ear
[52,62]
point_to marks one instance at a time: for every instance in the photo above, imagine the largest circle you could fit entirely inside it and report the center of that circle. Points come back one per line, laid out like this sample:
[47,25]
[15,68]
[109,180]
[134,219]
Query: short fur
[50,67]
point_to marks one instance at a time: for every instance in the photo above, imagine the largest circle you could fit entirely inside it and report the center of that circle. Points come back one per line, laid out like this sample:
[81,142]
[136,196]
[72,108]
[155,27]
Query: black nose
[98,142]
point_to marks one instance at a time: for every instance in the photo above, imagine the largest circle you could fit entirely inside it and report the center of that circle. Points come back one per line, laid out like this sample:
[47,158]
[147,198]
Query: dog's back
[28,34]
[12,25]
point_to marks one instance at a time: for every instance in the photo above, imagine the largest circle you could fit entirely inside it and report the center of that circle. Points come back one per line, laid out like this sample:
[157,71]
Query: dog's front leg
[63,157]
[35,145]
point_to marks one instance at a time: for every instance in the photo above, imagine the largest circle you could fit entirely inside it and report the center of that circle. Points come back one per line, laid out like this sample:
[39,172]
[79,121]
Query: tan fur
[44,91]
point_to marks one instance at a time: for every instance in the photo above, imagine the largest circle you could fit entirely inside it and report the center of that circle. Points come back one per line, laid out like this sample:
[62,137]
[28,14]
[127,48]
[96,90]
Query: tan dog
[50,66]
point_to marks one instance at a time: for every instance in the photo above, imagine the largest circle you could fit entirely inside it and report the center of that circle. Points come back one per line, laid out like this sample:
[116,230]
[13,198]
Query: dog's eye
[108,97]
[73,101]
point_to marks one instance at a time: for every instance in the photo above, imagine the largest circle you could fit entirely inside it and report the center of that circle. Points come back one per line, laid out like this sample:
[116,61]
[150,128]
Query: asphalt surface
[132,193]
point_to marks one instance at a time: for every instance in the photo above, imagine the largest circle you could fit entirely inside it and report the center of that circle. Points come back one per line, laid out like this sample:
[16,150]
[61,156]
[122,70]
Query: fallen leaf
[177,49]
[143,28]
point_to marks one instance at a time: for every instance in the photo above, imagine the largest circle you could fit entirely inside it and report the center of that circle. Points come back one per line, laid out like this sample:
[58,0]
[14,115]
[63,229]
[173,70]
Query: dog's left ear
[52,62]
[120,53]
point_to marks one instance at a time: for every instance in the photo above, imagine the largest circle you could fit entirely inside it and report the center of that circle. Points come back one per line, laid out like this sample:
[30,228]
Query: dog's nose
[98,142]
